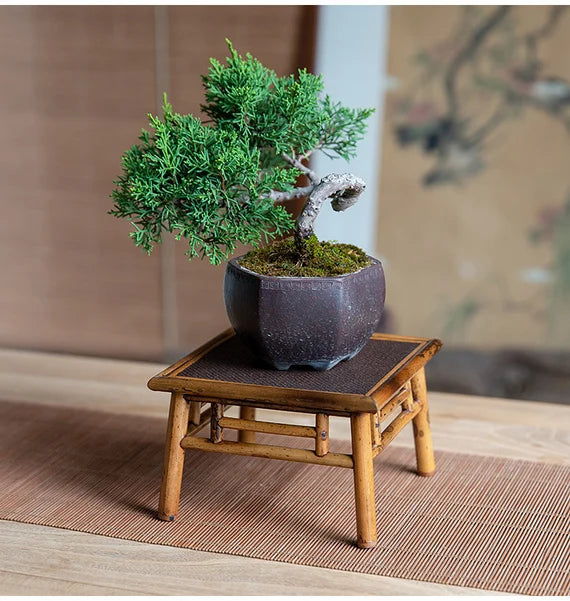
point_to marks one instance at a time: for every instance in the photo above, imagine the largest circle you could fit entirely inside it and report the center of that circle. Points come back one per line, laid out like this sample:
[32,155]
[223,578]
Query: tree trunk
[341,189]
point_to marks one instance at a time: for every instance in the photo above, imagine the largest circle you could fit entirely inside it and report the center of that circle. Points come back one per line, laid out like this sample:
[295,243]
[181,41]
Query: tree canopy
[217,183]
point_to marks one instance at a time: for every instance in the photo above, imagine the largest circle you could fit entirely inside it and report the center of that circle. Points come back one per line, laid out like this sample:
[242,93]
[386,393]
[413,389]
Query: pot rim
[235,263]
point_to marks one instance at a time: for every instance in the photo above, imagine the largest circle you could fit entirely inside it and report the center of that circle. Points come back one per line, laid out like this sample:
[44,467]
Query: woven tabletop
[225,368]
[232,361]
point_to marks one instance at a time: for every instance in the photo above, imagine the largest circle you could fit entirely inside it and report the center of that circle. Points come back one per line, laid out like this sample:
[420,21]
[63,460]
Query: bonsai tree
[221,182]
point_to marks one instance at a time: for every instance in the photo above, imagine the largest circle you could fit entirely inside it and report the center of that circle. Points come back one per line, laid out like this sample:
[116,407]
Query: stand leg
[246,413]
[216,430]
[322,440]
[195,410]
[375,428]
[363,479]
[173,458]
[422,431]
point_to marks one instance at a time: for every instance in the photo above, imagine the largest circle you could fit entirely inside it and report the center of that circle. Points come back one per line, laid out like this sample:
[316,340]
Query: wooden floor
[40,560]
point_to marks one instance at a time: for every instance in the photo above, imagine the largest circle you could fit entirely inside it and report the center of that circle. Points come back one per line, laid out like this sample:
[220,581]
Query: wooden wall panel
[76,83]
[273,34]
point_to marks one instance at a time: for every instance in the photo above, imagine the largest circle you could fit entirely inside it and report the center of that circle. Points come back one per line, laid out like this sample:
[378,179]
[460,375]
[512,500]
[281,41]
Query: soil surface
[316,259]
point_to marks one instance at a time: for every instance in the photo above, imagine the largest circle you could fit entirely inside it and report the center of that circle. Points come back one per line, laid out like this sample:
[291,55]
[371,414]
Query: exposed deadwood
[342,189]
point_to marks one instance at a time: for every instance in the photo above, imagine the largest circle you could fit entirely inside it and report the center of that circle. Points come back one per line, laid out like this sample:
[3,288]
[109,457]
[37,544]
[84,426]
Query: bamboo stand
[402,398]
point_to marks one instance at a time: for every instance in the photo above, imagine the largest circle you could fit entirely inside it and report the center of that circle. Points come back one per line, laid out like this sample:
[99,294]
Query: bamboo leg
[375,428]
[246,413]
[363,479]
[216,430]
[322,439]
[173,458]
[195,408]
[422,430]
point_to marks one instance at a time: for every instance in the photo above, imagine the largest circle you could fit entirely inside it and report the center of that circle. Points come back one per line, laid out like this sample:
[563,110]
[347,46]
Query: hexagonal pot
[295,321]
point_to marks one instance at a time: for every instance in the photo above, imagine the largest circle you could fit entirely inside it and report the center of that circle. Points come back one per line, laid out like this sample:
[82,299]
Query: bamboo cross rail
[392,430]
[268,427]
[267,451]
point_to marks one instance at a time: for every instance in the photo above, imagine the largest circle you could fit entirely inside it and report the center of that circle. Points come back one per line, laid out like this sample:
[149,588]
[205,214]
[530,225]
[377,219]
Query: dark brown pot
[304,321]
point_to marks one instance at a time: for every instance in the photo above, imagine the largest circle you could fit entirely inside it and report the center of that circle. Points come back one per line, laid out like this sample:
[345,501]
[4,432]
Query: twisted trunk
[341,189]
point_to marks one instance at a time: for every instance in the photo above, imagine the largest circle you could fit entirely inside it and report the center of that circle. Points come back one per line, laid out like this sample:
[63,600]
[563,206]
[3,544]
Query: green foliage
[319,259]
[200,183]
[212,183]
[344,128]
[280,114]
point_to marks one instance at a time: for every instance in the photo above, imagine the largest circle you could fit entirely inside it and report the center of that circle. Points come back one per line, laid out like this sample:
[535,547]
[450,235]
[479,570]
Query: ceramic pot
[310,321]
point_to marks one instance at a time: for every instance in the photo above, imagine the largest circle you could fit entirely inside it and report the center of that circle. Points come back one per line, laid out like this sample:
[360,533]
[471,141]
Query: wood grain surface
[42,560]
[77,83]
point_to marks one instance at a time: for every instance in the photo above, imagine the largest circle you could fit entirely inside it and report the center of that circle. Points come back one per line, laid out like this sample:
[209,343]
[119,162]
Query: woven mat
[233,361]
[479,522]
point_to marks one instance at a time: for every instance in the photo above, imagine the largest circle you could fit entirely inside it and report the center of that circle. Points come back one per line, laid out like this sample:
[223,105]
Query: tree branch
[293,195]
[564,119]
[299,165]
[467,53]
[532,38]
[492,122]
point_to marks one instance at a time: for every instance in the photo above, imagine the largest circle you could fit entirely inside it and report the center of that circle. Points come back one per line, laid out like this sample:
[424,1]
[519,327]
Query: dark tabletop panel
[232,361]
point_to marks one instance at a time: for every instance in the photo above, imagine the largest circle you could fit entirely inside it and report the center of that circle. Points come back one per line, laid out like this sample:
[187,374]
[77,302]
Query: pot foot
[280,366]
[316,365]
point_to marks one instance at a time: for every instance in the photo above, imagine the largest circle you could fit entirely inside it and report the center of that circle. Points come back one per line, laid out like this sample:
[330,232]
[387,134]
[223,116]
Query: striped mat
[480,522]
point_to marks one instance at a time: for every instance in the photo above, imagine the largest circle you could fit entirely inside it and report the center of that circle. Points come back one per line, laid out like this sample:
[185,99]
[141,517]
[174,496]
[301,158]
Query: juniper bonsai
[221,182]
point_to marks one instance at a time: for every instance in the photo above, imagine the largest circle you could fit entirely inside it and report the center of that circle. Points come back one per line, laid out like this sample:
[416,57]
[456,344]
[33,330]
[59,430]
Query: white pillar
[351,55]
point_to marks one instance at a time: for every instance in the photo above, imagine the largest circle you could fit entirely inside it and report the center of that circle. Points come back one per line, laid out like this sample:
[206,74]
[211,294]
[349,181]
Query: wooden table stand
[376,415]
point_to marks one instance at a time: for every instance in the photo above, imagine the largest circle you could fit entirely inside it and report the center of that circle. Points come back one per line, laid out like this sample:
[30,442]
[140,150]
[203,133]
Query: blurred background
[466,159]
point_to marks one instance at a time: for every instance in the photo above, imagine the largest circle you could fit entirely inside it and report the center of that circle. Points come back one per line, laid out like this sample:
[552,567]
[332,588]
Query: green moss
[318,259]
